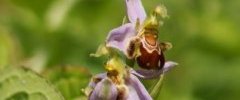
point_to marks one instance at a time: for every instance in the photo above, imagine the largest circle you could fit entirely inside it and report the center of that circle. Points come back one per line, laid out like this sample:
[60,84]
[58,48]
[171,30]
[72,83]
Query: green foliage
[23,84]
[70,80]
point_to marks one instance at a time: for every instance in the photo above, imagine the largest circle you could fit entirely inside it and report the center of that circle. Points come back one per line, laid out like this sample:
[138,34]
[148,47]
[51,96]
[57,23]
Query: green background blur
[205,35]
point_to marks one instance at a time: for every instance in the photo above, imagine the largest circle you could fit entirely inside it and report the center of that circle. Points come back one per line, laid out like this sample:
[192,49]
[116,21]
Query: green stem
[155,90]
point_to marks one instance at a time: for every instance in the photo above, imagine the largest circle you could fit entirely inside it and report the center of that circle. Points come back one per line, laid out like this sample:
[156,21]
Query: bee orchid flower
[118,83]
[138,40]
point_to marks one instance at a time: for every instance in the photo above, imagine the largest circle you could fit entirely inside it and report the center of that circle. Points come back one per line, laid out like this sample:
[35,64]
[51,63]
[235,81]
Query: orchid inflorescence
[137,41]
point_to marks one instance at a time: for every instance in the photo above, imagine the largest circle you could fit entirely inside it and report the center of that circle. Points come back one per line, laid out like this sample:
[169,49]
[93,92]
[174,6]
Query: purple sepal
[135,11]
[150,74]
[119,37]
[104,90]
[137,90]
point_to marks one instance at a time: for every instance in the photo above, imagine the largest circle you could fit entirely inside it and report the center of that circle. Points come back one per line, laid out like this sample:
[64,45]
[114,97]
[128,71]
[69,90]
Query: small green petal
[102,50]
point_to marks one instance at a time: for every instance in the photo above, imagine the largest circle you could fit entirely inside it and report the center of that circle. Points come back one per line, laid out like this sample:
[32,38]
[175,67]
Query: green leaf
[18,83]
[70,80]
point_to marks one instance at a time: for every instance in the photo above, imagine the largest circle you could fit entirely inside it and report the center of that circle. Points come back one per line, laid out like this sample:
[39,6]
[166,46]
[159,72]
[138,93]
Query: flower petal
[132,94]
[94,81]
[104,90]
[135,11]
[138,87]
[149,74]
[97,78]
[169,65]
[119,37]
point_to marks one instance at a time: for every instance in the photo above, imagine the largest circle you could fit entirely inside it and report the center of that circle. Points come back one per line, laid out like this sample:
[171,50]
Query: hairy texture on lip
[132,47]
[152,60]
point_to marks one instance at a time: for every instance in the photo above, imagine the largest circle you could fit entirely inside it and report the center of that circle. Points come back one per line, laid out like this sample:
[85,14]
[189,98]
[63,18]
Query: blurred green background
[48,35]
